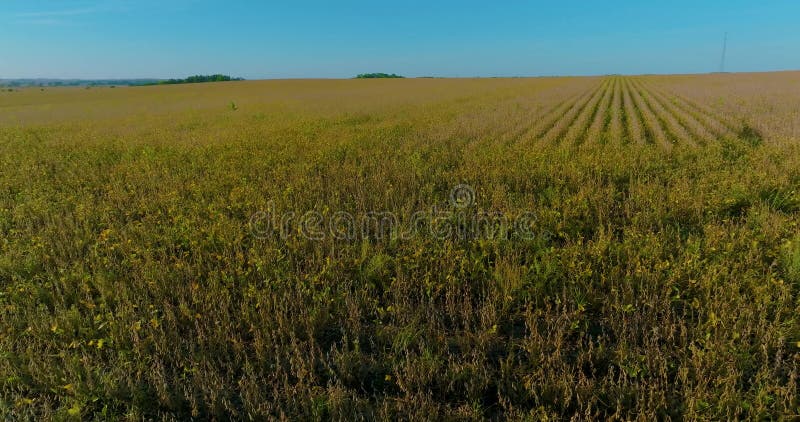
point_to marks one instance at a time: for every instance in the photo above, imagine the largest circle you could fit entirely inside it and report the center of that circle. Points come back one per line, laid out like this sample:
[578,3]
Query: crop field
[620,247]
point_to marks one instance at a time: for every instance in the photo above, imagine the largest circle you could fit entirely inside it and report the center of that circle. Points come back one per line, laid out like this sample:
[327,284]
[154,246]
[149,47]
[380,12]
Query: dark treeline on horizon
[45,83]
[196,79]
[379,76]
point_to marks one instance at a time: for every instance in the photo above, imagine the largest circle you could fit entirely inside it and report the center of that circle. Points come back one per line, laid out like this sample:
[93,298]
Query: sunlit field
[551,248]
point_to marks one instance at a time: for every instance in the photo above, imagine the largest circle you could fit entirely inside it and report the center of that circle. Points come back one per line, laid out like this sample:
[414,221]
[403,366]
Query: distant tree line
[198,79]
[44,83]
[378,76]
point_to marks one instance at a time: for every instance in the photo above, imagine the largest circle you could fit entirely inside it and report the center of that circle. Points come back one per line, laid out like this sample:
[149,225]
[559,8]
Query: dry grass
[662,282]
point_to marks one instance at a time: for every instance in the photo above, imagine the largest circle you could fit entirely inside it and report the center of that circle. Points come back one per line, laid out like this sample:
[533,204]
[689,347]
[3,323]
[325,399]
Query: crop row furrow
[669,122]
[730,124]
[713,122]
[654,129]
[633,119]
[579,128]
[568,124]
[516,123]
[540,111]
[549,119]
[698,130]
[615,127]
[597,129]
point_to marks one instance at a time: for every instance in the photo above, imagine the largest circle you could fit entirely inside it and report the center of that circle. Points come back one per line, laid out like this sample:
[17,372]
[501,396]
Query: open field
[646,263]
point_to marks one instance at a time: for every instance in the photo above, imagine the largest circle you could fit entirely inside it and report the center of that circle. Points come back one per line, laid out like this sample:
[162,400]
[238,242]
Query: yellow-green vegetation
[662,281]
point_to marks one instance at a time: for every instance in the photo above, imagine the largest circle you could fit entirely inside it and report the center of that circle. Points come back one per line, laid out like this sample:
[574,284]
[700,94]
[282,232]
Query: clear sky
[328,38]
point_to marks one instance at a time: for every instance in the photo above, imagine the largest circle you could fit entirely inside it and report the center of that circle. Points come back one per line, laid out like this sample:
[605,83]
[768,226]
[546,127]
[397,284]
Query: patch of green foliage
[379,76]
[198,79]
[750,135]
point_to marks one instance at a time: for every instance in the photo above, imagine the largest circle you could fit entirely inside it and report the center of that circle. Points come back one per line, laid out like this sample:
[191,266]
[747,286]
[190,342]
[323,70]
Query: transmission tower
[724,53]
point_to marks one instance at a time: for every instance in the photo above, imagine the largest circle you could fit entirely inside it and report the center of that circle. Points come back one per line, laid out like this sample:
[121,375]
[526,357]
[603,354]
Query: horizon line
[138,78]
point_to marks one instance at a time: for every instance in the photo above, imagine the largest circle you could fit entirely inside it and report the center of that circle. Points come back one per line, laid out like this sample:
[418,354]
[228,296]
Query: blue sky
[330,39]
